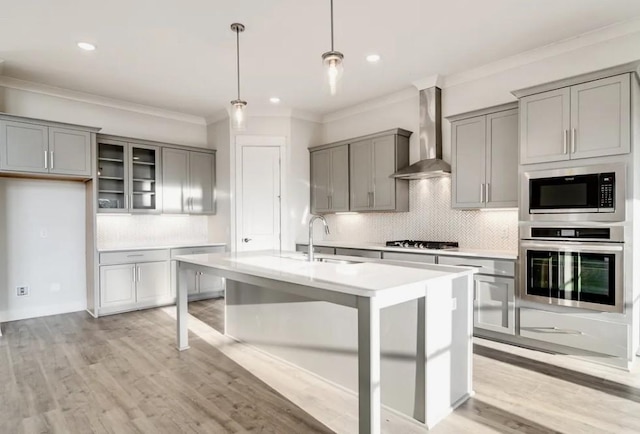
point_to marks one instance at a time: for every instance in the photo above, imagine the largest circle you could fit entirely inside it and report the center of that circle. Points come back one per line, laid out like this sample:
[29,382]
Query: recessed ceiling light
[86,46]
[373,58]
[274,100]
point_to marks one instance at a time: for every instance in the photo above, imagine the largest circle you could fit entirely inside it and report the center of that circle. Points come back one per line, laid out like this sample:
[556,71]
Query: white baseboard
[39,311]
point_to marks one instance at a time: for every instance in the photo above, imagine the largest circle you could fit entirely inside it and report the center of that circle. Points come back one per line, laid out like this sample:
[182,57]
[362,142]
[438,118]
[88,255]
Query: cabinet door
[153,282]
[175,180]
[494,300]
[117,285]
[208,283]
[69,152]
[339,178]
[544,127]
[361,170]
[320,180]
[23,147]
[384,165]
[202,182]
[468,138]
[502,159]
[113,176]
[144,182]
[601,117]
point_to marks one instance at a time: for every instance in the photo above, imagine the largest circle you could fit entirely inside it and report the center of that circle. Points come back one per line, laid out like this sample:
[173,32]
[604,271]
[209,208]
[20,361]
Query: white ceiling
[180,55]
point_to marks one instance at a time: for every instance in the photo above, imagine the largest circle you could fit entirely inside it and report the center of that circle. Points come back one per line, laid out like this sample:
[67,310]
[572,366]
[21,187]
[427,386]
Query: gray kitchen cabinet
[586,120]
[202,178]
[304,248]
[152,283]
[117,285]
[199,285]
[494,302]
[129,176]
[361,253]
[371,162]
[330,179]
[485,158]
[69,152]
[188,181]
[33,148]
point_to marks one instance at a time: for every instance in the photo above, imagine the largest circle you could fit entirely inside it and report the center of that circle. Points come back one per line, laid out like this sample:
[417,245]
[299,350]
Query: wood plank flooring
[121,374]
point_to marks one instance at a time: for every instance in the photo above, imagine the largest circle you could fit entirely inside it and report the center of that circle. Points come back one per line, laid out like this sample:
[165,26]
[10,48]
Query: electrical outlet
[22,291]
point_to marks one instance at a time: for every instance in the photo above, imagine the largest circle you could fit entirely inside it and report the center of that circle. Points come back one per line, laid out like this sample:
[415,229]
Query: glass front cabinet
[128,177]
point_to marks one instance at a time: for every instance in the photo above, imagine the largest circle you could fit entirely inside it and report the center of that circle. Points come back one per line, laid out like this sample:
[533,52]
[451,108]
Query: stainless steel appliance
[578,266]
[423,244]
[590,193]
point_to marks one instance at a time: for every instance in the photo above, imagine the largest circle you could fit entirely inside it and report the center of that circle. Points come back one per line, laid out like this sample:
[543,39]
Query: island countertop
[366,277]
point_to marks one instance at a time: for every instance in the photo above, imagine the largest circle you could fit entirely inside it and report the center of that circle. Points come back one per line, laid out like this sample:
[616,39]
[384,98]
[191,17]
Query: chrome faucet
[326,231]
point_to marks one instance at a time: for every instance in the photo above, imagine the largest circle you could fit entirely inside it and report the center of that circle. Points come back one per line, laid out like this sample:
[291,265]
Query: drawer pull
[554,330]
[469,265]
[135,256]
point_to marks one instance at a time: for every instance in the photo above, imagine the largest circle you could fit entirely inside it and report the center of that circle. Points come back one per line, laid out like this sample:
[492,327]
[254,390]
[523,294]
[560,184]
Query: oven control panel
[607,191]
[569,233]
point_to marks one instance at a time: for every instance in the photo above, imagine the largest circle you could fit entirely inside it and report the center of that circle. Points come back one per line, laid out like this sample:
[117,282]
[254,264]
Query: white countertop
[368,277]
[169,246]
[478,253]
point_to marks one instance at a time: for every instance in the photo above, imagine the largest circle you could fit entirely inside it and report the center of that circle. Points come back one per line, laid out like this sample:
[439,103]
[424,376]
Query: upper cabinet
[44,149]
[128,177]
[591,119]
[330,179]
[355,175]
[485,158]
[188,181]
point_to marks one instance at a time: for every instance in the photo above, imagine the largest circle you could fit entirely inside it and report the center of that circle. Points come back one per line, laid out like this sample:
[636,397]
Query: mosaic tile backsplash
[125,231]
[430,218]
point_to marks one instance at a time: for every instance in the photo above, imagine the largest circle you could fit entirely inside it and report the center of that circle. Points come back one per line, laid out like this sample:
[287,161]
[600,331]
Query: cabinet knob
[246,240]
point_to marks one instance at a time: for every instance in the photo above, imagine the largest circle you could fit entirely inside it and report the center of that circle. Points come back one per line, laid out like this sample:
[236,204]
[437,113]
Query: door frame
[236,180]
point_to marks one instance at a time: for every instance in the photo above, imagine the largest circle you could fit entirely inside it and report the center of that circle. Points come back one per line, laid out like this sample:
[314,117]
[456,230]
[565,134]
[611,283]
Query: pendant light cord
[238,57]
[331,25]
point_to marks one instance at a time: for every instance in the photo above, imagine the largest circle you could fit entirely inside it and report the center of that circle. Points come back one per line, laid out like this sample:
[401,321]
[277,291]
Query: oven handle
[558,247]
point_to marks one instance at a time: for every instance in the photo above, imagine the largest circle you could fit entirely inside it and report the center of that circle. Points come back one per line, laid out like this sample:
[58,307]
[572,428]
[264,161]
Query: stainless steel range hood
[431,163]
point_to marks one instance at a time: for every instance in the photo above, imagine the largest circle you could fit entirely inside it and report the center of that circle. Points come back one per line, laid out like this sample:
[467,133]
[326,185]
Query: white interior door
[258,212]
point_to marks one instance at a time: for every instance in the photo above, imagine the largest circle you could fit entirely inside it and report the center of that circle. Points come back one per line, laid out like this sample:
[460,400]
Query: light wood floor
[120,374]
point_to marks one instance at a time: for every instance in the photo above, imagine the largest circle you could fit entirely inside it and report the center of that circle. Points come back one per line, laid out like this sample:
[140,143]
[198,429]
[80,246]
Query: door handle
[138,268]
[51,159]
[565,140]
[481,193]
[46,158]
[246,240]
[486,192]
[573,140]
[133,274]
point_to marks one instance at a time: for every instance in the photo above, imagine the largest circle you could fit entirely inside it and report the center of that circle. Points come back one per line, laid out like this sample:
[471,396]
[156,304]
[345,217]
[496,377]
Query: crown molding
[29,86]
[593,37]
[372,104]
[306,116]
[218,116]
[425,83]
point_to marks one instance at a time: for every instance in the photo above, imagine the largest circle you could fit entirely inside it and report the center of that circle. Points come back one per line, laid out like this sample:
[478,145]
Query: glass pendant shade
[238,115]
[333,66]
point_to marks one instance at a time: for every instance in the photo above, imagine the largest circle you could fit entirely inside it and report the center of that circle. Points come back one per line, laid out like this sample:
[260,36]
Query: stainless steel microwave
[589,193]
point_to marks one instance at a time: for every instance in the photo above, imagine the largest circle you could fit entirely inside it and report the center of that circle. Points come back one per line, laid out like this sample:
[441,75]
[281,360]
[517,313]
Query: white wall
[112,120]
[42,245]
[219,138]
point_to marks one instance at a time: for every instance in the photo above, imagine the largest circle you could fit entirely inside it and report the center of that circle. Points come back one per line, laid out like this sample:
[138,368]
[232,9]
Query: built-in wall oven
[573,266]
[589,193]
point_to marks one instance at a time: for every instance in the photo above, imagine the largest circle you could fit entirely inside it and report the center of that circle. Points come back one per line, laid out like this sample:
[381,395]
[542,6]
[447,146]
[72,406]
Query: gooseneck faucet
[326,231]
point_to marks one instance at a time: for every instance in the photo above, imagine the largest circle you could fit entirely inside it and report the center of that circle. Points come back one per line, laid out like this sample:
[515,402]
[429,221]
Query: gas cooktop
[423,244]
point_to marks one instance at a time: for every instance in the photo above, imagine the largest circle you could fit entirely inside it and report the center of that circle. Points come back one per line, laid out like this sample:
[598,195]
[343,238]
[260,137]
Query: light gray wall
[42,245]
[219,138]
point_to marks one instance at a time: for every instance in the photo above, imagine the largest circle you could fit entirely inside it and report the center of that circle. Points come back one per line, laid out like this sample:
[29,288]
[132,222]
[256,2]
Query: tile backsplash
[430,218]
[115,231]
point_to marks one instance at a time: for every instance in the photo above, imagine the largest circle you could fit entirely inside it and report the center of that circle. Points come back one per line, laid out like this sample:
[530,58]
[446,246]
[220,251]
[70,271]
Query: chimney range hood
[431,163]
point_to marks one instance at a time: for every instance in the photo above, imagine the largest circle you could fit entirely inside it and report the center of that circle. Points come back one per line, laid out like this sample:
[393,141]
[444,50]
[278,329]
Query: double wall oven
[572,237]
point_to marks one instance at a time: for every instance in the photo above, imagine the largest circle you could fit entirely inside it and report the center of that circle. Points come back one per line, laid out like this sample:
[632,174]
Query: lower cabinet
[199,285]
[494,304]
[134,285]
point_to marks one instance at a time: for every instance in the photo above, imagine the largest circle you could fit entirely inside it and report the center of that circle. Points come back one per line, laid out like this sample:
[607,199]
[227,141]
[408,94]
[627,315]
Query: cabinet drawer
[577,332]
[133,256]
[196,250]
[485,266]
[411,257]
[360,253]
[316,249]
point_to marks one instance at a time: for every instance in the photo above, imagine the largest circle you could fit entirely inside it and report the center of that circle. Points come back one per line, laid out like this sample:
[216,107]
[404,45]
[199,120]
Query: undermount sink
[328,260]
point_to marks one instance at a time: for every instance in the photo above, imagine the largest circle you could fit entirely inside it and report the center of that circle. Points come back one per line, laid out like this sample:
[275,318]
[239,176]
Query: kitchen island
[394,332]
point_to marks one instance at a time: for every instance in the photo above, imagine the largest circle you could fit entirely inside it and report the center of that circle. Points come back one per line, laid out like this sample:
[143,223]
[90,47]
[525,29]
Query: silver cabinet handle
[481,193]
[565,133]
[138,268]
[135,255]
[486,192]
[133,274]
[46,158]
[51,159]
[573,140]
[246,240]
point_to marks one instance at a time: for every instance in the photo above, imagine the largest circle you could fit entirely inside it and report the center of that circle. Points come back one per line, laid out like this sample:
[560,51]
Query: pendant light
[333,62]
[237,105]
